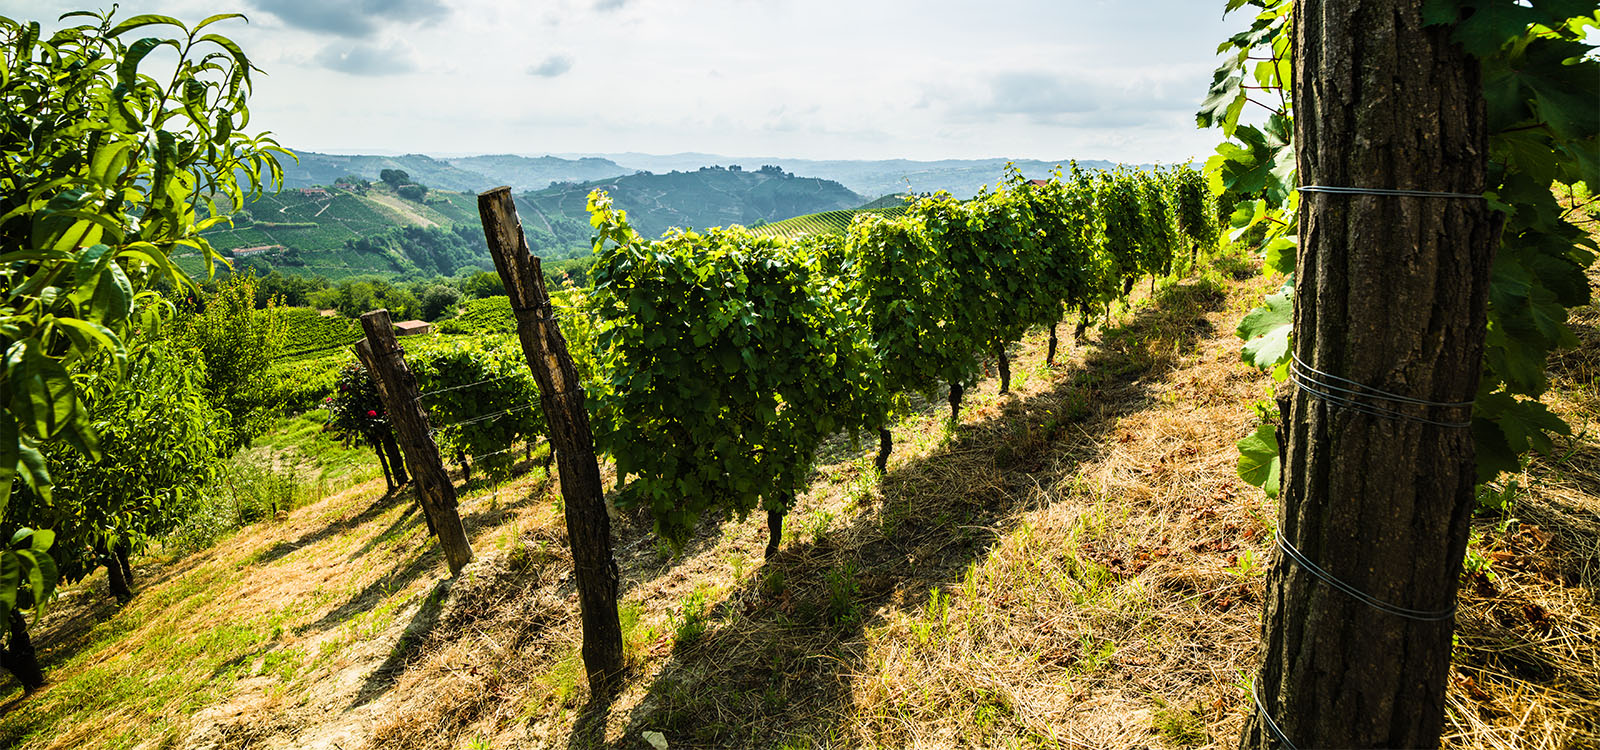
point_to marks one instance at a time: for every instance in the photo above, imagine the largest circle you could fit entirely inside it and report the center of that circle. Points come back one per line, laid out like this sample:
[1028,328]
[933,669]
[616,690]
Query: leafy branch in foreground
[106,171]
[1540,82]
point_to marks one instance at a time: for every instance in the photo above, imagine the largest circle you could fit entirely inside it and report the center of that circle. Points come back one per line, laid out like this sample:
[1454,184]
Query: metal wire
[1372,392]
[424,395]
[484,418]
[1421,615]
[1336,190]
[1331,393]
[1267,717]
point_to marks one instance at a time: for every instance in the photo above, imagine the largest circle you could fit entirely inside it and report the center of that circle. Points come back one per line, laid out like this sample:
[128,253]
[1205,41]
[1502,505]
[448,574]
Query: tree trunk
[122,552]
[1083,323]
[571,440]
[388,477]
[1005,369]
[1127,284]
[466,467]
[397,462]
[19,658]
[956,389]
[116,576]
[1050,354]
[885,446]
[1390,294]
[774,531]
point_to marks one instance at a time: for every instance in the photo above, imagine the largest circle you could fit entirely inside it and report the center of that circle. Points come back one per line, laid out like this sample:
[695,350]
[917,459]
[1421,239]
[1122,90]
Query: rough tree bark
[1005,369]
[562,397]
[956,389]
[1391,293]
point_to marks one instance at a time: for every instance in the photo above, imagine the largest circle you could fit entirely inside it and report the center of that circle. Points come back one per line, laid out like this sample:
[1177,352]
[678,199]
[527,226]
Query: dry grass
[1074,565]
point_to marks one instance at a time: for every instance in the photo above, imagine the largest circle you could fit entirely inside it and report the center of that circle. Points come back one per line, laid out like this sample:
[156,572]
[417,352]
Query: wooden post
[561,394]
[398,389]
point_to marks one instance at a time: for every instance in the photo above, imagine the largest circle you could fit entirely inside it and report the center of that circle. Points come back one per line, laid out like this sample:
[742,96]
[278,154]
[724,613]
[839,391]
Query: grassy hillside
[703,198]
[1073,565]
[322,169]
[337,233]
[827,222]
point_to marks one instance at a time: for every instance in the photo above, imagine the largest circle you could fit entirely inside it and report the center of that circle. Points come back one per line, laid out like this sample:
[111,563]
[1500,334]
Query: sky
[818,79]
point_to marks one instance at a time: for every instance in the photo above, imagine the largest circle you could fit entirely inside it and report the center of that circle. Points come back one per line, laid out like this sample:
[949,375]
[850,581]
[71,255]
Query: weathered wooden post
[388,445]
[562,396]
[398,389]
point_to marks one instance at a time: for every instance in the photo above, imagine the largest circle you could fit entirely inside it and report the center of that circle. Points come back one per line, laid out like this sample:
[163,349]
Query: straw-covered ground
[1074,565]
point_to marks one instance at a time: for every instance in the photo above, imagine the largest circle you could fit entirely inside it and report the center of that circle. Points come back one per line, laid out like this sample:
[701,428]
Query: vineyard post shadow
[562,397]
[397,387]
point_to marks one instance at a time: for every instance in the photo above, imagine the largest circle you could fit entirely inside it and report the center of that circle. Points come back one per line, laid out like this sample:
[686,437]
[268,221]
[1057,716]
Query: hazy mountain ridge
[870,178]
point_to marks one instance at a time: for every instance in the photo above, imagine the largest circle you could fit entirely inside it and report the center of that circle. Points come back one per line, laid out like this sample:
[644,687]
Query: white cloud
[551,66]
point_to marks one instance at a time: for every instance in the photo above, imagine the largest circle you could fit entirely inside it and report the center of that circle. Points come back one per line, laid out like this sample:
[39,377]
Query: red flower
[371,413]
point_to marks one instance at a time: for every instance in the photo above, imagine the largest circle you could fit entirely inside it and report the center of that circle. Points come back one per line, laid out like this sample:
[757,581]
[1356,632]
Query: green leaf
[42,394]
[128,66]
[140,21]
[1258,460]
[1267,330]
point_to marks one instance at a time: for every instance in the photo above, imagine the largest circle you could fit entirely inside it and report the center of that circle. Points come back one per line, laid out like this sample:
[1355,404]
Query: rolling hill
[871,178]
[827,222]
[706,197]
[344,231]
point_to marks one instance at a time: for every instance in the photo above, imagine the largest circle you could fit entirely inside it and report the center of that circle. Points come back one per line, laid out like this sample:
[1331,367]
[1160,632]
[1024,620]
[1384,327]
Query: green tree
[236,342]
[159,446]
[394,177]
[105,171]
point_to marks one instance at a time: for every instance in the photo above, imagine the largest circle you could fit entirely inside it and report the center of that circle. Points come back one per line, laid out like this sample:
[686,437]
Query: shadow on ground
[779,654]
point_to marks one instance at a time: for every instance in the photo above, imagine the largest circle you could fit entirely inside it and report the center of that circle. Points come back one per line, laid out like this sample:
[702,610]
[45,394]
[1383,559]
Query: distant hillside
[469,174]
[891,200]
[827,222]
[322,169]
[530,173]
[872,178]
[706,197]
[338,232]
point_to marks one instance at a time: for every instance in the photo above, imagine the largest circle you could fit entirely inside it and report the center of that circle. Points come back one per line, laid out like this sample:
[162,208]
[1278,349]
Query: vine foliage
[1541,80]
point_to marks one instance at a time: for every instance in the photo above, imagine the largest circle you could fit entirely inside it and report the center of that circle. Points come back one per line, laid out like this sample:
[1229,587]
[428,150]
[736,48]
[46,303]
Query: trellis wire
[1421,615]
[1389,192]
[438,391]
[1272,726]
[483,418]
[1331,393]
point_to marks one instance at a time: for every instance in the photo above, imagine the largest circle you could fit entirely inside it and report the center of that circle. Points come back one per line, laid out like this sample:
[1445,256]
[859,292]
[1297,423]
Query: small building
[412,328]
[314,192]
[243,252]
[1040,183]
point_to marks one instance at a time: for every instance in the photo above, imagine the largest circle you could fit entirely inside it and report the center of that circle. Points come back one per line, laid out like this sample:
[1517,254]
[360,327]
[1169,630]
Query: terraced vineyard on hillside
[827,222]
